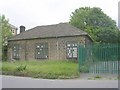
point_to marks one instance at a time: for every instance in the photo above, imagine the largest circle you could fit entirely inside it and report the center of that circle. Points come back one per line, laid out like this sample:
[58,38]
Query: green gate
[99,58]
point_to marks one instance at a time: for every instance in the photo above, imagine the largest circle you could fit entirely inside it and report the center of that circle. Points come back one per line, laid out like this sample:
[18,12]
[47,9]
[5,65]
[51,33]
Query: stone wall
[56,47]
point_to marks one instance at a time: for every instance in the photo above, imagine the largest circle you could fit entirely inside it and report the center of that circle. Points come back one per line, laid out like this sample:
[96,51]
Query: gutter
[46,37]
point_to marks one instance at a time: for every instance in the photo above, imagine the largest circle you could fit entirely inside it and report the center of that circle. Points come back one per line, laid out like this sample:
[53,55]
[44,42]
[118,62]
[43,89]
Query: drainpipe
[25,50]
[57,48]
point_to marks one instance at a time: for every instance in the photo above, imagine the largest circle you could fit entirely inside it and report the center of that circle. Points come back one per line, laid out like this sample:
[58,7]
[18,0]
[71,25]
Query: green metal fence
[99,58]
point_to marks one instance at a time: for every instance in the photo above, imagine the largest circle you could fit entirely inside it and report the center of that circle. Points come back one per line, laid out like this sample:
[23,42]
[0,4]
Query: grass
[49,69]
[97,77]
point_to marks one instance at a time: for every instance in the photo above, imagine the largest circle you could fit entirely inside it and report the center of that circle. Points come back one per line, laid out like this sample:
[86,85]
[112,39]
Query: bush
[21,68]
[4,53]
[84,69]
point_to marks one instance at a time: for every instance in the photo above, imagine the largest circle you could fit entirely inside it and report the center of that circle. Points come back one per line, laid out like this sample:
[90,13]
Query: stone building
[13,30]
[51,42]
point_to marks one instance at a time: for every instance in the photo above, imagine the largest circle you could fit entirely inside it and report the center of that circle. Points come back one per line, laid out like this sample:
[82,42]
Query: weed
[97,77]
[21,68]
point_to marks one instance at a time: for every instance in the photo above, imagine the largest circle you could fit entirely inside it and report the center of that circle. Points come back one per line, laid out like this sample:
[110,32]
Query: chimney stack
[22,29]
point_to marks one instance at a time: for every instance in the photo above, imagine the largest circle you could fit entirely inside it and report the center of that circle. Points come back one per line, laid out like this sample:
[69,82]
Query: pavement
[26,82]
[91,76]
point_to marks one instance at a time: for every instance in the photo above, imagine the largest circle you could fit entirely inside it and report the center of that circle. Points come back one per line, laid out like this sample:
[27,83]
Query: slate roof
[57,30]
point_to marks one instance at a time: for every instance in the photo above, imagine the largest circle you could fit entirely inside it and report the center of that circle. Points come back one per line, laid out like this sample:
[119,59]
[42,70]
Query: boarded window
[72,49]
[41,51]
[15,52]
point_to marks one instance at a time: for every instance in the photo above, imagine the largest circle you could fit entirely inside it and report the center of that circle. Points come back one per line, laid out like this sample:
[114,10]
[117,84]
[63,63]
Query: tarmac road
[25,82]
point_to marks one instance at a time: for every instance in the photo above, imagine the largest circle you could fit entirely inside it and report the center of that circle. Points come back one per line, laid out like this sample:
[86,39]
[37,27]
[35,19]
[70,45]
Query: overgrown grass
[50,69]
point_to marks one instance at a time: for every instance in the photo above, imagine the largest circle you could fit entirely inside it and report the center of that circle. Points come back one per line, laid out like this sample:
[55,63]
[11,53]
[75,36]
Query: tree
[0,38]
[96,23]
[6,34]
[108,36]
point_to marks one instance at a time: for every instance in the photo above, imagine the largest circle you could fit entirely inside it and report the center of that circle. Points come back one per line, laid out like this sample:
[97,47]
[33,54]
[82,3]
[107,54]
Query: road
[25,82]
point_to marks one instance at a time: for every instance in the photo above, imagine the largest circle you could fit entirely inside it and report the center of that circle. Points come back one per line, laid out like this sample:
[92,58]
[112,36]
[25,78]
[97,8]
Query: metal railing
[99,58]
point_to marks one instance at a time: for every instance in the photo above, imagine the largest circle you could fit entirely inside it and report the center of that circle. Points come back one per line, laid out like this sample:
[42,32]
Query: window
[72,50]
[15,52]
[41,51]
[13,31]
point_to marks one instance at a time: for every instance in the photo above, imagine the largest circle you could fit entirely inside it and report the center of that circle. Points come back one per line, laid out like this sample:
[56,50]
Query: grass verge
[48,69]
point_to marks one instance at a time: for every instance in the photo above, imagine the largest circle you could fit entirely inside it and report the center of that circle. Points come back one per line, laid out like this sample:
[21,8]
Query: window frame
[42,49]
[72,49]
[16,52]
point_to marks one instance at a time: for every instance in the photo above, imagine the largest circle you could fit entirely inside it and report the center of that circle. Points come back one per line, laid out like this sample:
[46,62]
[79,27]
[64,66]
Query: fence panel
[99,58]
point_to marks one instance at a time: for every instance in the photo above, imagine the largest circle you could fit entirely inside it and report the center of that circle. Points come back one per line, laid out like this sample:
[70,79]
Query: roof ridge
[51,25]
[43,26]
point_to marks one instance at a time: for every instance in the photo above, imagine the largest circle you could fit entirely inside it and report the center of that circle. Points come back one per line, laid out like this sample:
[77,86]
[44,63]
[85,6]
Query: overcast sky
[31,13]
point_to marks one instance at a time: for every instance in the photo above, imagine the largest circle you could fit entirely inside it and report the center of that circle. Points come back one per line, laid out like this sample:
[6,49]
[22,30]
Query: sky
[31,13]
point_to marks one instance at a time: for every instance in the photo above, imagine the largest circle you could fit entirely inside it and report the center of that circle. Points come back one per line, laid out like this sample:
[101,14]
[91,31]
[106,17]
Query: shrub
[21,68]
[97,77]
[84,69]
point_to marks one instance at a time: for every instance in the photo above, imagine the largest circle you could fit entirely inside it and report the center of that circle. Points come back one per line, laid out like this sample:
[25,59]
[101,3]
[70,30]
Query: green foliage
[96,23]
[4,53]
[108,36]
[6,33]
[84,68]
[42,69]
[97,76]
[21,68]
[0,38]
